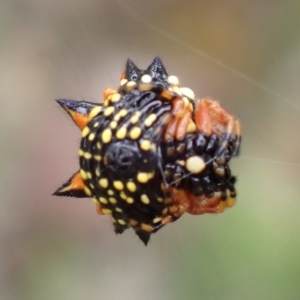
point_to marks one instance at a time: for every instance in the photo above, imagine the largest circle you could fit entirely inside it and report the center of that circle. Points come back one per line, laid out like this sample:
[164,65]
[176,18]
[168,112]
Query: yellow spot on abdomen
[83,174]
[150,120]
[135,133]
[91,137]
[94,112]
[145,199]
[145,145]
[121,133]
[106,135]
[87,191]
[122,222]
[143,177]
[106,211]
[103,182]
[85,131]
[103,200]
[108,111]
[131,186]
[146,227]
[118,185]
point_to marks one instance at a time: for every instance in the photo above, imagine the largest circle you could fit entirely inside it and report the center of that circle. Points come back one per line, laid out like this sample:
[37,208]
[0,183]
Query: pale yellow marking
[142,177]
[131,186]
[113,124]
[118,185]
[220,171]
[145,86]
[191,127]
[129,200]
[110,192]
[195,164]
[122,222]
[165,211]
[80,152]
[123,81]
[91,137]
[131,84]
[135,133]
[121,133]
[230,202]
[97,171]
[113,220]
[173,80]
[85,131]
[118,209]
[98,145]
[89,175]
[145,199]
[95,201]
[156,220]
[106,211]
[106,100]
[146,227]
[159,199]
[122,113]
[87,155]
[180,163]
[145,145]
[94,112]
[123,196]
[146,78]
[188,93]
[108,111]
[151,175]
[103,182]
[150,120]
[103,200]
[87,191]
[115,97]
[173,209]
[176,90]
[112,200]
[133,222]
[97,157]
[106,135]
[92,186]
[83,174]
[221,206]
[166,94]
[135,118]
[96,124]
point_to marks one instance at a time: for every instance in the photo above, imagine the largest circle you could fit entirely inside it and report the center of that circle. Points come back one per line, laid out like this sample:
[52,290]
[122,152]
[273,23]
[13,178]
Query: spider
[150,152]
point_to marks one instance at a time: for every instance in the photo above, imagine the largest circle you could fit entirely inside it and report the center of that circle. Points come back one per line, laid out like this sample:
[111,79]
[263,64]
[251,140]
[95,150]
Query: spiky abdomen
[120,162]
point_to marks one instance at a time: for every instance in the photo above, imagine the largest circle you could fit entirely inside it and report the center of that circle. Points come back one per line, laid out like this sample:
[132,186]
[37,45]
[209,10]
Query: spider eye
[134,77]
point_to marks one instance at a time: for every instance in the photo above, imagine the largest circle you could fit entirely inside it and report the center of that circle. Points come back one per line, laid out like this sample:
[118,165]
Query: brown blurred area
[243,53]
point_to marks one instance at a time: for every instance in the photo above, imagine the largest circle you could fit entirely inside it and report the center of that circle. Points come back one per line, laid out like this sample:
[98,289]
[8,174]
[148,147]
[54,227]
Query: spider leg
[226,136]
[238,137]
[202,205]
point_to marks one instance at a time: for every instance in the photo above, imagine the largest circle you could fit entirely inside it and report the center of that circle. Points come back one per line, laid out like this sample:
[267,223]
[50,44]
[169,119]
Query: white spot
[146,78]
[188,93]
[195,164]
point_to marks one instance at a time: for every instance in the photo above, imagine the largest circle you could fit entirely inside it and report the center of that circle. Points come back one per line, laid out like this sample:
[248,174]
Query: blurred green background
[243,53]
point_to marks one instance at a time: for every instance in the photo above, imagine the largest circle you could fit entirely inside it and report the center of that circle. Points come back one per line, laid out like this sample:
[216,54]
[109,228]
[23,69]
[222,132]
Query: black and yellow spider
[150,152]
